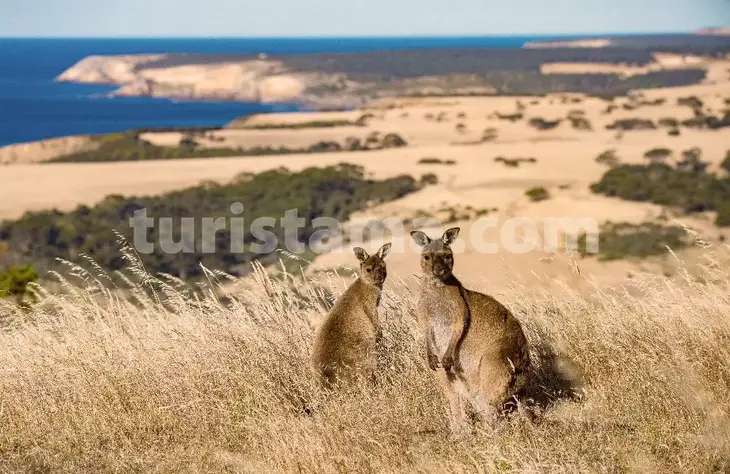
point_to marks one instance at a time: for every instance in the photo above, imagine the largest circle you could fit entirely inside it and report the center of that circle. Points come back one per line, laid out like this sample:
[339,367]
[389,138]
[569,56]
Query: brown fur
[344,345]
[475,339]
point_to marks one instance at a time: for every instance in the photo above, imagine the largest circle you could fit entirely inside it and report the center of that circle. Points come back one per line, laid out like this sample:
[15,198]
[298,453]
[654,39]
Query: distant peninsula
[352,80]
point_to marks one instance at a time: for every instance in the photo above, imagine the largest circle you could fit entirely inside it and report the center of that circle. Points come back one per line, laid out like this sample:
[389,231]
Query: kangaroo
[344,345]
[475,339]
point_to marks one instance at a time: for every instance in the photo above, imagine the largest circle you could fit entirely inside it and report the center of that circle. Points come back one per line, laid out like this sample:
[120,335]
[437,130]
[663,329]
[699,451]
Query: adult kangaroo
[473,342]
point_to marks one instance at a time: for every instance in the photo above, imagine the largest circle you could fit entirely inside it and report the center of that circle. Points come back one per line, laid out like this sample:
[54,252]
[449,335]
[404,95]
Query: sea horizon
[361,37]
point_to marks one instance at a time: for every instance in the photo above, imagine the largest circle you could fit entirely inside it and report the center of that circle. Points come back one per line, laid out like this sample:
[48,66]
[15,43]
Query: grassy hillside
[39,238]
[94,383]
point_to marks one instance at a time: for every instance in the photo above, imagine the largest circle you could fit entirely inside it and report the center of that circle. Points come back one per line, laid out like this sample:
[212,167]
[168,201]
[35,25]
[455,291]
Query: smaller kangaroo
[344,345]
[475,339]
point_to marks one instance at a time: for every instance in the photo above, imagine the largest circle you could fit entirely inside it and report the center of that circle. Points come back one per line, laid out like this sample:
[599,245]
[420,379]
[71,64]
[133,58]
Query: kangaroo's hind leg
[458,419]
[494,389]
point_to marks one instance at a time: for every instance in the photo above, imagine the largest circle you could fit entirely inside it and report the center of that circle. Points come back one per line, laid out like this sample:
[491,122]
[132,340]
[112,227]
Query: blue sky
[354,18]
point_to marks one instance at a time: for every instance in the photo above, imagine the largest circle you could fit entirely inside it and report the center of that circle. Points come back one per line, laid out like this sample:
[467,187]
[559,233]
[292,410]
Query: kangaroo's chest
[441,311]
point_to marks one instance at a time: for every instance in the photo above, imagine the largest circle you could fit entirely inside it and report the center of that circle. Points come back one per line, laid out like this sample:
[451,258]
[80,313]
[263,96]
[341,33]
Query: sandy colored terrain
[293,118]
[44,150]
[586,43]
[661,62]
[565,156]
[444,128]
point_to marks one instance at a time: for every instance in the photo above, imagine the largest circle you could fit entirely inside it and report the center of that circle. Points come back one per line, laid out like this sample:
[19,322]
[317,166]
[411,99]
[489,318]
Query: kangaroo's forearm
[431,342]
[458,328]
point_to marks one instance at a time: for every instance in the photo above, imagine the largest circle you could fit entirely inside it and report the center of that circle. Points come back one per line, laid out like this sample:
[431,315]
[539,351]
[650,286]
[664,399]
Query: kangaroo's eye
[368,270]
[426,257]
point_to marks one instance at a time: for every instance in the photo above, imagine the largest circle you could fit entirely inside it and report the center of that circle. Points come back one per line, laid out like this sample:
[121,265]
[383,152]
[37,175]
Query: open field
[91,382]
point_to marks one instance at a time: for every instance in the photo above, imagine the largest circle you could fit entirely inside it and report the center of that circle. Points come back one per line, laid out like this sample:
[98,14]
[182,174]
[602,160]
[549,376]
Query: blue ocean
[34,107]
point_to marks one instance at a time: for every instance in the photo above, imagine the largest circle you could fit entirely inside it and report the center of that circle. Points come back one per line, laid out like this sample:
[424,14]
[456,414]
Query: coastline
[276,87]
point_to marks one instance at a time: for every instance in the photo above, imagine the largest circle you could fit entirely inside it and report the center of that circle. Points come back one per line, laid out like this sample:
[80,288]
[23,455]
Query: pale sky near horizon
[255,18]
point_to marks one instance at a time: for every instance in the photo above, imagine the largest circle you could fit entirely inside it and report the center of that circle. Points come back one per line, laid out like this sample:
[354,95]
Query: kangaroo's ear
[384,250]
[450,235]
[420,238]
[361,254]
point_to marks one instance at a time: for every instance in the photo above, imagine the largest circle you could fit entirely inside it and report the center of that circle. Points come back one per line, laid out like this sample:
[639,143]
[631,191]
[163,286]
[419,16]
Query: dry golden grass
[93,382]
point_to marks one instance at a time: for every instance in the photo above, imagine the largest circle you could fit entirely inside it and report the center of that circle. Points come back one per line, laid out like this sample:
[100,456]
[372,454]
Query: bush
[188,142]
[580,123]
[542,124]
[609,158]
[723,215]
[688,186]
[324,147]
[691,101]
[393,140]
[514,162]
[362,121]
[537,194]
[353,144]
[15,280]
[673,132]
[692,161]
[489,134]
[429,179]
[625,240]
[668,122]
[658,154]
[435,161]
[702,121]
[511,117]
[631,124]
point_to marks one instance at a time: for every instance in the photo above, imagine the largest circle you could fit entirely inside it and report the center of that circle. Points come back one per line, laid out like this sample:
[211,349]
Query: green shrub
[625,240]
[631,124]
[362,121]
[723,215]
[489,134]
[537,194]
[429,179]
[687,186]
[691,101]
[542,124]
[393,140]
[510,117]
[668,122]
[658,154]
[609,158]
[435,161]
[580,123]
[514,162]
[15,280]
